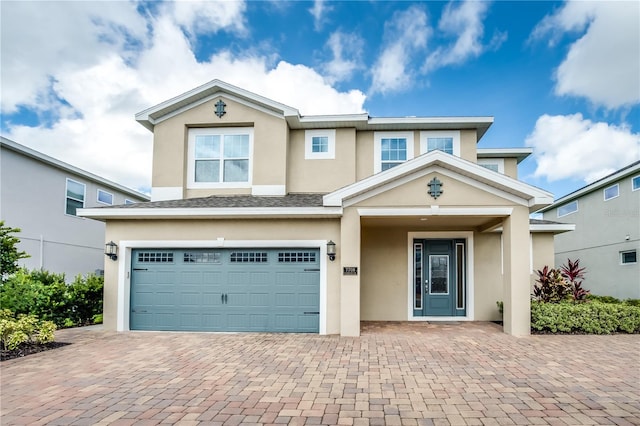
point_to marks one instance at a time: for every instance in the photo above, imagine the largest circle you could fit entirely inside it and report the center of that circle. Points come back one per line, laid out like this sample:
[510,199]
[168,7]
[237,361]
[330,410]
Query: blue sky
[561,77]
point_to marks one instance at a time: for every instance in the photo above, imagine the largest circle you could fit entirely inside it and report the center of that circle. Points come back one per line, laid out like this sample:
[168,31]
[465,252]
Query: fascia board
[433,211]
[219,213]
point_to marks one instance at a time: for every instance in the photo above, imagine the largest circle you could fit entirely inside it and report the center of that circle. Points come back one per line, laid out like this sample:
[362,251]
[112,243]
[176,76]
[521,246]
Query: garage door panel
[226,290]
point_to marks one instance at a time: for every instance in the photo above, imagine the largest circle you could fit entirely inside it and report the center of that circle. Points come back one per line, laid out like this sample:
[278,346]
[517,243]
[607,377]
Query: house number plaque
[349,270]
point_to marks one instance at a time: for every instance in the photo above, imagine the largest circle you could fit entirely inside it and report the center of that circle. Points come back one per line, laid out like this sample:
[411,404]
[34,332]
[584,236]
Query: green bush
[47,296]
[24,329]
[594,317]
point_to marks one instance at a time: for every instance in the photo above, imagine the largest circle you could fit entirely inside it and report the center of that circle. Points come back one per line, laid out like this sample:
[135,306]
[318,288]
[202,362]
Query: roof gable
[447,164]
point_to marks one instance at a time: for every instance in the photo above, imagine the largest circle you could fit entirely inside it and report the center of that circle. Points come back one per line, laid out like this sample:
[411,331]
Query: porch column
[349,255]
[517,299]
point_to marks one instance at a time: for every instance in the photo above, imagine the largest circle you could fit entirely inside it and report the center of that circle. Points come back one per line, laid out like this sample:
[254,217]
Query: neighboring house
[606,214]
[249,198]
[40,195]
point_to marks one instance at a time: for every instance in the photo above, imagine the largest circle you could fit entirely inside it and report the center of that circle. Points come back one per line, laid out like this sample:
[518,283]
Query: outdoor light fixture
[331,250]
[111,250]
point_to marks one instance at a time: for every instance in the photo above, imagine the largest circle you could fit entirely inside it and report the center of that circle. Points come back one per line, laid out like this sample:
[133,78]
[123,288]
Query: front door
[439,274]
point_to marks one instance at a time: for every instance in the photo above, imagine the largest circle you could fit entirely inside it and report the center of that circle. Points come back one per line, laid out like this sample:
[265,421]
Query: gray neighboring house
[40,195]
[607,235]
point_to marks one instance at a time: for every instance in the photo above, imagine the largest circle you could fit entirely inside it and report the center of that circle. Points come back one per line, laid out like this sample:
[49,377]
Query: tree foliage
[9,253]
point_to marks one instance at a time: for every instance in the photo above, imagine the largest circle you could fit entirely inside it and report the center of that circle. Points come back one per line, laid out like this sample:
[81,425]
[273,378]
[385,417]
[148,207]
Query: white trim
[66,197]
[436,211]
[488,161]
[330,134]
[222,131]
[632,179]
[104,192]
[124,267]
[470,291]
[518,153]
[203,213]
[604,192]
[453,134]
[164,193]
[531,252]
[377,146]
[561,227]
[268,190]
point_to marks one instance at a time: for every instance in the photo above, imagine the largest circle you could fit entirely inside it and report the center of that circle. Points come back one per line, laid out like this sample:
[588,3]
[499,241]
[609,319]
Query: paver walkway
[396,373]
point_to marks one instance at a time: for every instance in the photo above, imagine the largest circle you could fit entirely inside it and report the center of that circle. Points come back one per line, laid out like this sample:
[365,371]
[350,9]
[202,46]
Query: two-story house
[265,220]
[41,195]
[606,240]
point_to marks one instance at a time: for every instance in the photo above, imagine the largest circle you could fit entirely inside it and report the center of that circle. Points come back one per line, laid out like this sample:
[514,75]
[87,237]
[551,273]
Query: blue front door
[439,285]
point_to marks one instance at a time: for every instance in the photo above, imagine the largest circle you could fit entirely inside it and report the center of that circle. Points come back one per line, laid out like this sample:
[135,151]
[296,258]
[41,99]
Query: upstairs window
[447,141]
[320,144]
[611,192]
[220,157]
[392,149]
[495,164]
[75,196]
[104,197]
[568,208]
[635,183]
[127,201]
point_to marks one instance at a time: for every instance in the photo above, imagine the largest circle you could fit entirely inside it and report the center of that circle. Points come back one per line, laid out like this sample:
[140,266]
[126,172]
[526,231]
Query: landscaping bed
[28,349]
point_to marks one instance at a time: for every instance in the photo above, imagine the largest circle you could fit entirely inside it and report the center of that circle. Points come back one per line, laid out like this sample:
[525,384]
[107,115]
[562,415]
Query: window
[75,196]
[249,257]
[320,144]
[155,257]
[635,183]
[611,192]
[296,257]
[392,149]
[127,201]
[442,140]
[627,257]
[202,257]
[220,157]
[569,208]
[495,164]
[104,197]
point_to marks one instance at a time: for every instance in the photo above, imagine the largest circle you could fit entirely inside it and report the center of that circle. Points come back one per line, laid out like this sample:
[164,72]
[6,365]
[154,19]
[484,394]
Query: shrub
[594,317]
[9,253]
[24,329]
[86,296]
[550,286]
[574,274]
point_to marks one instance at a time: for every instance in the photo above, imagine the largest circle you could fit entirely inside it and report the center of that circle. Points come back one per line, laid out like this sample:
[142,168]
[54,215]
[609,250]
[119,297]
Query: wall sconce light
[331,250]
[111,250]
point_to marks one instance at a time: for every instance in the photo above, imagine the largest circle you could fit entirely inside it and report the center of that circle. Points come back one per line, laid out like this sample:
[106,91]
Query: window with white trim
[495,164]
[443,140]
[220,157]
[391,149]
[75,196]
[611,192]
[568,208]
[105,197]
[127,201]
[320,144]
[628,257]
[635,183]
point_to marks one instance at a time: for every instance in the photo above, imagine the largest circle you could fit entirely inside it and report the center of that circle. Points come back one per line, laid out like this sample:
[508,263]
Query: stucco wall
[488,276]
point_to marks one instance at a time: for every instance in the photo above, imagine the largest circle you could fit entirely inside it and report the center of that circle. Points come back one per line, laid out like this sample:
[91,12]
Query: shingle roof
[543,222]
[289,200]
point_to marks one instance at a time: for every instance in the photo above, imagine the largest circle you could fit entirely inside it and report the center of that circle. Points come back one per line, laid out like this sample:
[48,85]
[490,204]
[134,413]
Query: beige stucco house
[265,220]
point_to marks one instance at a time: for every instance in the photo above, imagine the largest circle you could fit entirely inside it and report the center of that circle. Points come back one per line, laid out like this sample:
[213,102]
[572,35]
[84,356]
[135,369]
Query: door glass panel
[439,273]
[460,274]
[417,276]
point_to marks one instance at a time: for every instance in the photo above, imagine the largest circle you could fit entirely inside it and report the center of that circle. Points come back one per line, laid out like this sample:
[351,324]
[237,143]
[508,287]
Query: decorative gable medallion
[435,188]
[220,108]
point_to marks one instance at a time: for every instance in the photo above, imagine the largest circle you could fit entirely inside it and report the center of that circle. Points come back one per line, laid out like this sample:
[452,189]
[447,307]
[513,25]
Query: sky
[560,77]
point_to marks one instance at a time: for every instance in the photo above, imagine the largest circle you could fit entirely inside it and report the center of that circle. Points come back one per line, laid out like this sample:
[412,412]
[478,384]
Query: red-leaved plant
[573,273]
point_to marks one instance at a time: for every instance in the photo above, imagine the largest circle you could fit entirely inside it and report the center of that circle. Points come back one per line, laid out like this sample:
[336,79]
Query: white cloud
[107,84]
[319,12]
[464,21]
[603,65]
[347,56]
[405,35]
[205,17]
[569,146]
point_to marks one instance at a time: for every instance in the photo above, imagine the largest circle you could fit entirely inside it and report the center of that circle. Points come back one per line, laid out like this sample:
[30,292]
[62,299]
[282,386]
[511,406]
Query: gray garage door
[276,290]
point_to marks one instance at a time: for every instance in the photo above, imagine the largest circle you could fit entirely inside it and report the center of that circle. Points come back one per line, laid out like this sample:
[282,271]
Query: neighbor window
[75,196]
[495,164]
[392,149]
[127,201]
[320,144]
[104,197]
[630,256]
[611,192]
[635,183]
[568,208]
[220,157]
[440,140]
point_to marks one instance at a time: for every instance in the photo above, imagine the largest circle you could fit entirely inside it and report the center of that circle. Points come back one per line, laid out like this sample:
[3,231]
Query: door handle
[226,298]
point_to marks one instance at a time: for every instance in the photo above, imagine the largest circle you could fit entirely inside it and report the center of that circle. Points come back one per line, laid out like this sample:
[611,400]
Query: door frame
[124,267]
[469,270]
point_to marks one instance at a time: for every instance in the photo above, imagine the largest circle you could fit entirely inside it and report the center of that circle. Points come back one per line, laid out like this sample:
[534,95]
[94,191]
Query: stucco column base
[350,284]
[517,299]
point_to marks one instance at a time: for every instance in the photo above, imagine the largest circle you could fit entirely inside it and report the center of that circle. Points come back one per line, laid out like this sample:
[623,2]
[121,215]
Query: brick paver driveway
[417,373]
